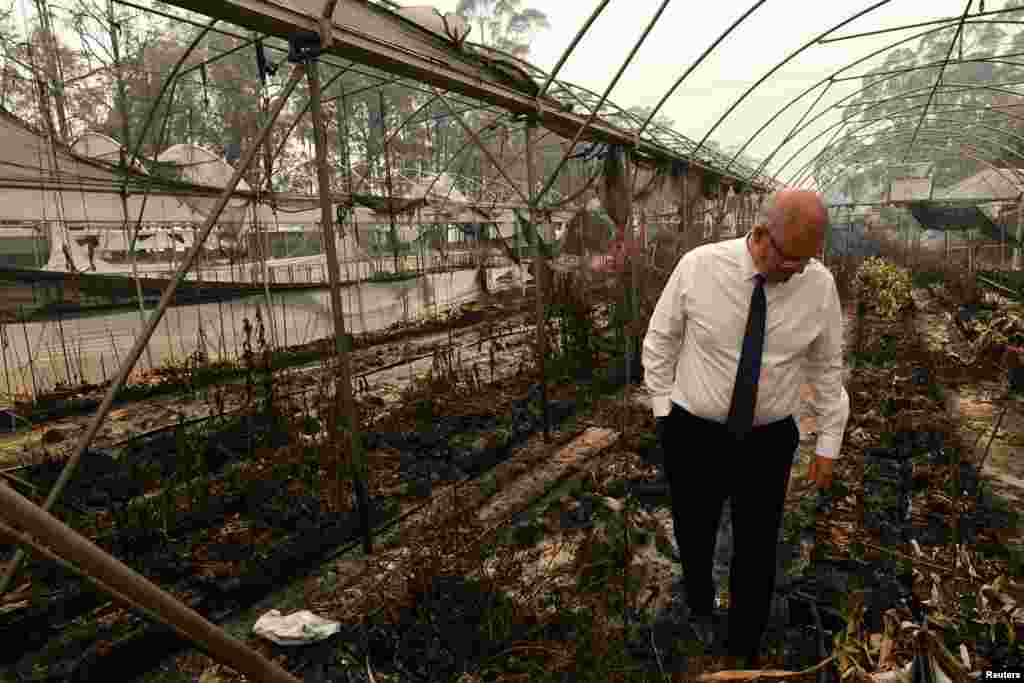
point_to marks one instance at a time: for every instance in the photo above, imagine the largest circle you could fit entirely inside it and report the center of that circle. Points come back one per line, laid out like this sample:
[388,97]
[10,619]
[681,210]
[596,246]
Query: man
[740,326]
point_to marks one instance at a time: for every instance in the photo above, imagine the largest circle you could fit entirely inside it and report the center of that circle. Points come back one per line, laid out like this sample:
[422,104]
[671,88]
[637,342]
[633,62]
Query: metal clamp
[304,47]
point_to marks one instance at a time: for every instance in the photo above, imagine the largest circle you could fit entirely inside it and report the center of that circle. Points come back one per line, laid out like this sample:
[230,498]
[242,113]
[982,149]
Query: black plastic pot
[1015,378]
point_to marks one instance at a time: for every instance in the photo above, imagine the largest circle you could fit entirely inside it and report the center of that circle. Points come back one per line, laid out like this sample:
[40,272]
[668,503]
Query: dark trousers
[706,465]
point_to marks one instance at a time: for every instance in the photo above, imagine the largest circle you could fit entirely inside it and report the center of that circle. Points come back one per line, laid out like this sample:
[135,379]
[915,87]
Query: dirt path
[977,407]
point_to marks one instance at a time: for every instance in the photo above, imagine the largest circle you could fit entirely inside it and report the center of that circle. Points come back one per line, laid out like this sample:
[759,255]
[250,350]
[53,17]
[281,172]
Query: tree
[883,117]
[504,24]
[642,112]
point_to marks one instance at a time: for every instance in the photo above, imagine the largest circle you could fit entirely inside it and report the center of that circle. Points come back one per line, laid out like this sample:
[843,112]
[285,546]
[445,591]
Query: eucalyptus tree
[975,96]
[503,24]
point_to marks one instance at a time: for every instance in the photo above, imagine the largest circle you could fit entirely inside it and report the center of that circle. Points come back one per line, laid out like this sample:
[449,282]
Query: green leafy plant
[884,286]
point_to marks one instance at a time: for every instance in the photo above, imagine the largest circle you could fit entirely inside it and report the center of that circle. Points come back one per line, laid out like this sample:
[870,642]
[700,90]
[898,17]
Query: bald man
[740,326]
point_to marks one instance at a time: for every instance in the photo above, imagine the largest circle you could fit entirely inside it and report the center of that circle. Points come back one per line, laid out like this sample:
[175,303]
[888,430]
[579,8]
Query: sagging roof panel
[937,217]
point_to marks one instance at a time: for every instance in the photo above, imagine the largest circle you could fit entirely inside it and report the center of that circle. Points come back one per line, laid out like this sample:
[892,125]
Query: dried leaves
[994,331]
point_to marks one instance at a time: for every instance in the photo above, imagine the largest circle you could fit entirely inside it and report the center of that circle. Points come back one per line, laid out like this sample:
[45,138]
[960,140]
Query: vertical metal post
[7,373]
[342,342]
[31,366]
[165,300]
[970,254]
[539,274]
[387,178]
[64,347]
[1020,233]
[631,340]
[122,107]
[1002,255]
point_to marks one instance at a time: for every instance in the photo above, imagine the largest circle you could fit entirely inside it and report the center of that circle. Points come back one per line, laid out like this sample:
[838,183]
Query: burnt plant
[184,461]
[166,513]
[202,481]
[575,347]
[844,269]
[265,364]
[248,358]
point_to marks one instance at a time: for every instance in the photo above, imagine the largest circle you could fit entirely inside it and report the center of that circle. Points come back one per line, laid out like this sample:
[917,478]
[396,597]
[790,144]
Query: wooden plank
[568,460]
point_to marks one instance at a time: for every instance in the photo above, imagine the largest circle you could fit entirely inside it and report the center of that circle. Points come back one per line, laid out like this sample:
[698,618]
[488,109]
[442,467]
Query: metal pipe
[1020,232]
[593,113]
[956,122]
[882,134]
[871,103]
[936,148]
[217,57]
[540,273]
[366,34]
[476,140]
[781,64]
[952,108]
[154,319]
[938,78]
[572,46]
[930,65]
[168,82]
[66,543]
[998,86]
[789,135]
[834,77]
[895,136]
[945,20]
[342,344]
[707,51]
[385,144]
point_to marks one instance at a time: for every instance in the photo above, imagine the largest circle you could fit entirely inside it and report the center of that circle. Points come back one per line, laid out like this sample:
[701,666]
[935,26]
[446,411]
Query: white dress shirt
[693,343]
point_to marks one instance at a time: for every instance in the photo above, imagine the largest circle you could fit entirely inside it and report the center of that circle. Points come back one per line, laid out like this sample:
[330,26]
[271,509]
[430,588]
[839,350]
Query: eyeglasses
[786,259]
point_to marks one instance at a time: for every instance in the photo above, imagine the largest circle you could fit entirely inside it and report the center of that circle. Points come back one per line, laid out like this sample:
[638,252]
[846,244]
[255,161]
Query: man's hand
[820,472]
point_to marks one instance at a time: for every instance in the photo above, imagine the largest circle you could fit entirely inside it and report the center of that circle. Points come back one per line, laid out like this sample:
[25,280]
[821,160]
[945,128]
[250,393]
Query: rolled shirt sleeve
[824,373]
[664,338]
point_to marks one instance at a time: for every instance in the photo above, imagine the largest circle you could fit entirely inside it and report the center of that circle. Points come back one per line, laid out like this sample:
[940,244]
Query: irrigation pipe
[154,320]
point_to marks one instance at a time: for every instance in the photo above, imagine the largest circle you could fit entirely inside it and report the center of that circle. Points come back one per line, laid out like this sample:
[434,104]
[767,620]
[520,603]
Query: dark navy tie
[744,394]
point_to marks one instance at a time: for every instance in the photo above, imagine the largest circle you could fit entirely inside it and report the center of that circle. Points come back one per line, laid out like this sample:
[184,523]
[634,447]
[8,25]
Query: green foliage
[488,487]
[884,287]
[527,534]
